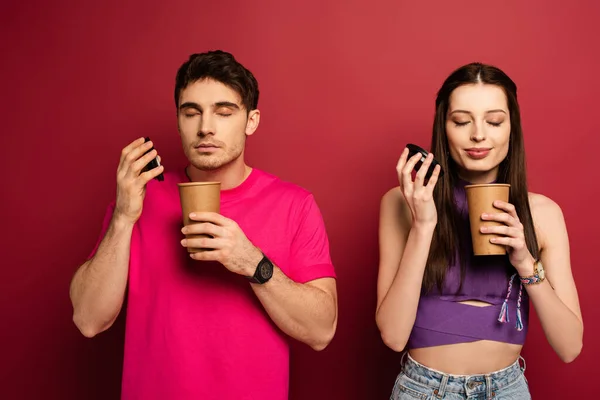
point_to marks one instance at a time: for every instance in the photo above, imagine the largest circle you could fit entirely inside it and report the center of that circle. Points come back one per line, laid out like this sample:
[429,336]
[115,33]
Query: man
[209,325]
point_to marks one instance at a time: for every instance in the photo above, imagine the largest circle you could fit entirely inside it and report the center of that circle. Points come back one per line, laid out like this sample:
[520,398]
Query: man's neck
[230,175]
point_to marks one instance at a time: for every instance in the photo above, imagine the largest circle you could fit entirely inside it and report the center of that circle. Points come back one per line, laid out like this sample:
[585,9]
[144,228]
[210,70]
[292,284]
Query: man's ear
[253,121]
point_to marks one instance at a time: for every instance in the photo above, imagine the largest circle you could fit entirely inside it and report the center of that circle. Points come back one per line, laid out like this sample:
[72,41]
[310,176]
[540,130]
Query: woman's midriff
[473,358]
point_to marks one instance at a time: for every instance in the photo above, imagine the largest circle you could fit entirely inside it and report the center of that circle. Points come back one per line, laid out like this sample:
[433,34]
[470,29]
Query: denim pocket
[405,389]
[517,390]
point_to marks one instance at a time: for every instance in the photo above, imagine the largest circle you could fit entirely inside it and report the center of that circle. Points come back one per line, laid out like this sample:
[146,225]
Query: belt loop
[524,367]
[488,387]
[442,389]
[403,360]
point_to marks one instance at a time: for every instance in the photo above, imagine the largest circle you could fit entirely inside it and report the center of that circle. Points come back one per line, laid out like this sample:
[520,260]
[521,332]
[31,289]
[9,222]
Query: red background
[344,86]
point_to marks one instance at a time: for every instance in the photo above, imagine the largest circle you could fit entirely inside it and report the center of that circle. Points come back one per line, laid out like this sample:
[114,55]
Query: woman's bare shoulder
[543,206]
[548,218]
[393,204]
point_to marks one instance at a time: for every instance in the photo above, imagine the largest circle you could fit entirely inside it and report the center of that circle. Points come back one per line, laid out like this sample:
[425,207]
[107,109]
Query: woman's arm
[555,299]
[407,221]
[403,252]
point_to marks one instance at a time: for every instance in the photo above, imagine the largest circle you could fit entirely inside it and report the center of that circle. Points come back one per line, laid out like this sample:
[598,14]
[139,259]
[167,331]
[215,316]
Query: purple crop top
[442,320]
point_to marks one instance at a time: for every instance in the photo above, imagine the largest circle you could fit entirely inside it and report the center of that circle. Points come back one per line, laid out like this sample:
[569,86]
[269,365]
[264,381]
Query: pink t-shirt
[194,330]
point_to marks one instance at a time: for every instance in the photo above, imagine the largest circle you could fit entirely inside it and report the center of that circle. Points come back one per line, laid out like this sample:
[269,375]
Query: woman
[464,318]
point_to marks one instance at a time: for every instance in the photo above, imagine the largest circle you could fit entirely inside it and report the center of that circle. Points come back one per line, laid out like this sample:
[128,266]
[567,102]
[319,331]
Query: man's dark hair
[221,67]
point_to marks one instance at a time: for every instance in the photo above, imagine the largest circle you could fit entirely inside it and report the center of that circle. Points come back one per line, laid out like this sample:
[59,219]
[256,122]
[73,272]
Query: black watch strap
[263,272]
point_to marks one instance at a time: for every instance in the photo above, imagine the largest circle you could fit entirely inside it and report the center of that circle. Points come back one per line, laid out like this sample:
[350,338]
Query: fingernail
[184,242]
[184,230]
[193,215]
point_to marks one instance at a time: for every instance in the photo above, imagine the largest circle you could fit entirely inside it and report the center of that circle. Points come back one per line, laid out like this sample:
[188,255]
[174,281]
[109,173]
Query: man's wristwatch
[264,271]
[538,275]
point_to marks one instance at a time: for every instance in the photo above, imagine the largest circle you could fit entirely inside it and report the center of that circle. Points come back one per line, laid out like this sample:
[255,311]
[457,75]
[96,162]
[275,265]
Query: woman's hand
[513,236]
[418,194]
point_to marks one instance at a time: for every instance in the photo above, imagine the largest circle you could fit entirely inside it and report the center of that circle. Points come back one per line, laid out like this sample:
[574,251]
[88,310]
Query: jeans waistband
[463,384]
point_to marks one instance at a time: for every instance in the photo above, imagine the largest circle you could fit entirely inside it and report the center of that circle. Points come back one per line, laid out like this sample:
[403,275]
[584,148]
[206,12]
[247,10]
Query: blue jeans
[416,381]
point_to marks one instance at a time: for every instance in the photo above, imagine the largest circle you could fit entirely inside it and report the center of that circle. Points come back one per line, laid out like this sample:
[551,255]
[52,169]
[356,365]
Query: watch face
[540,270]
[265,271]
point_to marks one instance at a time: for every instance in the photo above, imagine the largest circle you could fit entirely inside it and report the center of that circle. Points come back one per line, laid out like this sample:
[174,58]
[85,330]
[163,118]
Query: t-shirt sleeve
[310,246]
[105,223]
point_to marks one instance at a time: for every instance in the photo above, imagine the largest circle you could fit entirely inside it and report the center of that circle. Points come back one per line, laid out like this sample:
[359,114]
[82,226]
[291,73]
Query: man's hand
[131,181]
[228,244]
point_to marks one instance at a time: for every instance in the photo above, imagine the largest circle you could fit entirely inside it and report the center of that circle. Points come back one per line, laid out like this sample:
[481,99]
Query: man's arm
[98,287]
[305,311]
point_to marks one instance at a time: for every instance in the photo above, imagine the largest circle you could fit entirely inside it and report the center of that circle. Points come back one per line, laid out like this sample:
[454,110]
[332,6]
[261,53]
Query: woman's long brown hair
[512,171]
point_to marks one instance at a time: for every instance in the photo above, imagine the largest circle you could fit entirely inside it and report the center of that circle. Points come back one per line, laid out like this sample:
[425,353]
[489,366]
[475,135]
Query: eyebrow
[226,104]
[189,104]
[468,112]
[218,104]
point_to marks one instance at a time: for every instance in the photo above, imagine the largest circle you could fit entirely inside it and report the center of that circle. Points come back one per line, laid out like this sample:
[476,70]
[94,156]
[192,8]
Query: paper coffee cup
[198,197]
[480,199]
